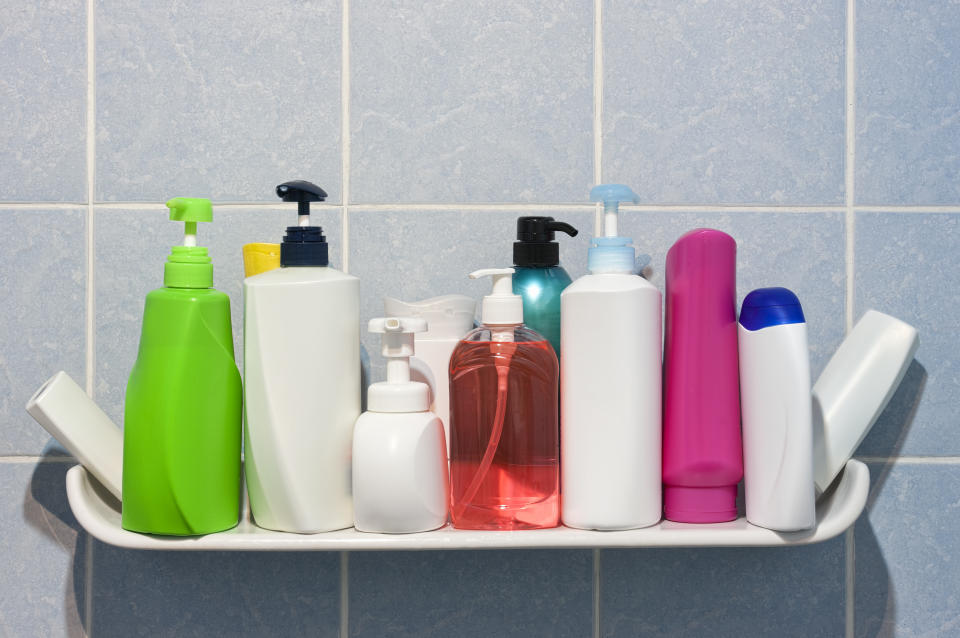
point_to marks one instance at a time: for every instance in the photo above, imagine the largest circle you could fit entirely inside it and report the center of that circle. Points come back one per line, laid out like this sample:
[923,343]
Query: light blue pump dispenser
[611,253]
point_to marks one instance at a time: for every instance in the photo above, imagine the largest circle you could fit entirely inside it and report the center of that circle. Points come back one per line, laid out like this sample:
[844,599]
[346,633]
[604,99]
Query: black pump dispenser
[303,245]
[535,246]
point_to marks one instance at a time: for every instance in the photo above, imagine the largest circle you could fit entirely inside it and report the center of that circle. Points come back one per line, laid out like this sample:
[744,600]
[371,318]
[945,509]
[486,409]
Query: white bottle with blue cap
[776,411]
[610,380]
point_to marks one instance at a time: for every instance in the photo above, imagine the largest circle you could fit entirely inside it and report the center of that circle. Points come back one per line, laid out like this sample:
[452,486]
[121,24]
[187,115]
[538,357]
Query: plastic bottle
[65,411]
[301,363]
[504,448]
[702,454]
[775,404]
[400,479]
[610,380]
[182,414]
[538,277]
[448,318]
[855,387]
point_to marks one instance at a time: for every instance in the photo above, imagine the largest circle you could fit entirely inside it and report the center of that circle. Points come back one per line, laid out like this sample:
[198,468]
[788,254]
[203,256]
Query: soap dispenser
[504,439]
[610,384]
[539,278]
[301,364]
[181,436]
[400,479]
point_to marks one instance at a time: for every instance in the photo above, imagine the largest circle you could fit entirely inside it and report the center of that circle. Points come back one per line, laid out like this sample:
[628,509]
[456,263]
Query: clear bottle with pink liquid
[702,453]
[504,434]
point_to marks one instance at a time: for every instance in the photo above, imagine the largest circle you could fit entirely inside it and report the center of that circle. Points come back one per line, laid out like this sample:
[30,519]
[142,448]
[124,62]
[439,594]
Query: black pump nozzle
[535,245]
[302,192]
[303,245]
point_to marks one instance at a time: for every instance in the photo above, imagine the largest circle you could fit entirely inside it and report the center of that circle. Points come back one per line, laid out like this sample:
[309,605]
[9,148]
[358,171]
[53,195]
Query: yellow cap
[258,258]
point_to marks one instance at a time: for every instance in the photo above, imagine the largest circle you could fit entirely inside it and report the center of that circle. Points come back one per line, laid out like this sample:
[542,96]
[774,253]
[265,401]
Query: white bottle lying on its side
[776,411]
[855,387]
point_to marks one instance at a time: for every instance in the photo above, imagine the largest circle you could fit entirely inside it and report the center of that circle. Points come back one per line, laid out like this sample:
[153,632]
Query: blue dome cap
[767,307]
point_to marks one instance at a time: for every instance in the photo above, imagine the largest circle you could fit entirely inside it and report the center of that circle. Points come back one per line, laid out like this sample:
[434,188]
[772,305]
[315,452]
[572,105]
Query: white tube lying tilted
[855,387]
[66,412]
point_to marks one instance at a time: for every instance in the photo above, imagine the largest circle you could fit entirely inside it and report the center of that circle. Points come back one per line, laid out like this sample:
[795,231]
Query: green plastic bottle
[182,416]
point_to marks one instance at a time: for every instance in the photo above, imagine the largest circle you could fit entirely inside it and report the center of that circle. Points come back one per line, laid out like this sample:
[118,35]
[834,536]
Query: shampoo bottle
[702,454]
[504,447]
[775,403]
[448,318]
[182,413]
[610,385]
[400,482]
[538,276]
[301,364]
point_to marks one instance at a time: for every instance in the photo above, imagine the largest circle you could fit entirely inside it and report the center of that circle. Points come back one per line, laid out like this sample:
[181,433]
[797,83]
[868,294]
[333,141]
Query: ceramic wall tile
[475,102]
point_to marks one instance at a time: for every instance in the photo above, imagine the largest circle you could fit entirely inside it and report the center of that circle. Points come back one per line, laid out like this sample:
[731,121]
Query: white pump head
[398,393]
[501,307]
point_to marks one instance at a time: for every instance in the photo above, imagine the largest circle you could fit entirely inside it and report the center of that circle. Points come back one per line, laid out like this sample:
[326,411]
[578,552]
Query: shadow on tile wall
[54,521]
[876,604]
[888,434]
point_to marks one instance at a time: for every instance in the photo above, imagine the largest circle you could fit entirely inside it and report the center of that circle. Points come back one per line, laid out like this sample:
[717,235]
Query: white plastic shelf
[99,513]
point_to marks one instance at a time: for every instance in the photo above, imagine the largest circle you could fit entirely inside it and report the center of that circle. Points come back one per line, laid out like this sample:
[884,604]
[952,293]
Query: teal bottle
[538,277]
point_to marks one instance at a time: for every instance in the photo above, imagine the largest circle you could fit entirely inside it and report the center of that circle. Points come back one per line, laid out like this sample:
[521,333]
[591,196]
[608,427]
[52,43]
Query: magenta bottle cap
[700,504]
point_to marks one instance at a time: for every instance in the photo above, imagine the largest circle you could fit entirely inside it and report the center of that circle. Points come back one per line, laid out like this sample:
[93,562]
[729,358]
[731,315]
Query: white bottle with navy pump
[610,385]
[301,373]
[400,479]
[776,411]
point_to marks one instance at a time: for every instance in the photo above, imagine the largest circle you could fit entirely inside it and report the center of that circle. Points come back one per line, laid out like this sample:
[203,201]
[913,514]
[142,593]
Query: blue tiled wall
[835,162]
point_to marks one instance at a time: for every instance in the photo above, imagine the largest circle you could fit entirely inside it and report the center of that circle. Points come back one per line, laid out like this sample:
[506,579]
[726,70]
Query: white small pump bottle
[400,479]
[776,412]
[610,385]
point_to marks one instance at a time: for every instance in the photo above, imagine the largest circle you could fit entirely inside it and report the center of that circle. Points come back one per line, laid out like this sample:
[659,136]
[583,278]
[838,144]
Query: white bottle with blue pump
[610,385]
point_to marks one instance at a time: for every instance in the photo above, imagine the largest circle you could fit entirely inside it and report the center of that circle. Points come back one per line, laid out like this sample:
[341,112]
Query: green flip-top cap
[189,266]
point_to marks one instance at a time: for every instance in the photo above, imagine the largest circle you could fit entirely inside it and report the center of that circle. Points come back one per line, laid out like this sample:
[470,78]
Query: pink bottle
[702,453]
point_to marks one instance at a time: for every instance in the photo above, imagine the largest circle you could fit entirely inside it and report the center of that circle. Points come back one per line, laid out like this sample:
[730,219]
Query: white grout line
[91,164]
[596,592]
[345,248]
[38,459]
[88,587]
[880,208]
[666,208]
[850,227]
[514,206]
[911,460]
[44,205]
[456,207]
[91,297]
[597,110]
[849,167]
[345,137]
[220,206]
[850,564]
[344,594]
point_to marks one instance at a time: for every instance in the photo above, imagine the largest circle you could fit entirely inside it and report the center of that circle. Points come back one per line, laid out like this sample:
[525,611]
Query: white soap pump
[400,479]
